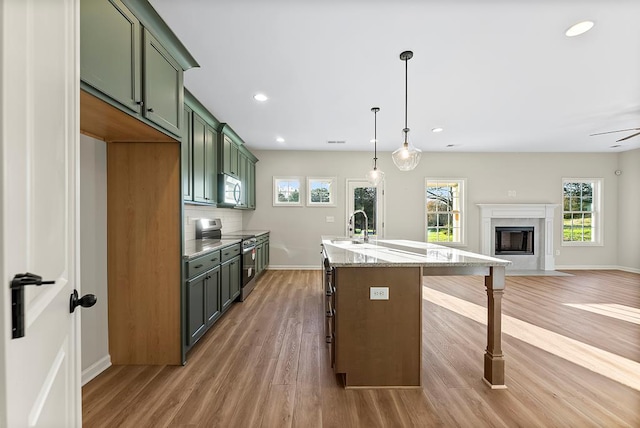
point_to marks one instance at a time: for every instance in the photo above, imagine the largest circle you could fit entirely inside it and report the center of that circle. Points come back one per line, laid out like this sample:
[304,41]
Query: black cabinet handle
[150,110]
[197,266]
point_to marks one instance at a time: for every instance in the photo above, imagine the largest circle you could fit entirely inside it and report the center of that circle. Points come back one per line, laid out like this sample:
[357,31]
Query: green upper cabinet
[187,154]
[229,156]
[204,185]
[110,51]
[204,144]
[130,58]
[251,184]
[163,88]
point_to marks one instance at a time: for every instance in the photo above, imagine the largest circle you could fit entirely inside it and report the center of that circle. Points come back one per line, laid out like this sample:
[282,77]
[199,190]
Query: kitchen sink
[346,241]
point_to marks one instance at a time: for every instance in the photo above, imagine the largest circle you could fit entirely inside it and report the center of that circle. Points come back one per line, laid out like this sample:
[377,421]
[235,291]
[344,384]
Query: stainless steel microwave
[231,189]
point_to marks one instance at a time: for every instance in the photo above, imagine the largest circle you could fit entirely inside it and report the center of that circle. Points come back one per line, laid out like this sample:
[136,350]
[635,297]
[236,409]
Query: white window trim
[597,203]
[277,203]
[333,190]
[463,211]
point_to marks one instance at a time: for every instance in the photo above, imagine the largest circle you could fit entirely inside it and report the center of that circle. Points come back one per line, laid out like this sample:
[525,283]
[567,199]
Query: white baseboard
[95,369]
[292,267]
[597,267]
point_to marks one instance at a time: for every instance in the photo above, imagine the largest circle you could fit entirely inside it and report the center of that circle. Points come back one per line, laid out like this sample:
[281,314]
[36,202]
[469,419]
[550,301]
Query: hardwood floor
[264,364]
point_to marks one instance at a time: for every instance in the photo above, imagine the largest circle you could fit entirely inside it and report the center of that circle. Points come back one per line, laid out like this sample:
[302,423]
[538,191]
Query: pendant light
[375,176]
[406,157]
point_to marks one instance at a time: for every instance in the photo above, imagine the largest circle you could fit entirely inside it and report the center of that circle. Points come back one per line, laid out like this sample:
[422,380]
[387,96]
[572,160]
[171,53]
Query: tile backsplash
[231,219]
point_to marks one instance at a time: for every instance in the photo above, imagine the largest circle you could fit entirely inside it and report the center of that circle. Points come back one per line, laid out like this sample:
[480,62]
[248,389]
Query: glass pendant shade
[375,176]
[407,157]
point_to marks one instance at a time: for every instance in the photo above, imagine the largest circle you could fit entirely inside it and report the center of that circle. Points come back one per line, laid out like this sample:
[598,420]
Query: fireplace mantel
[540,211]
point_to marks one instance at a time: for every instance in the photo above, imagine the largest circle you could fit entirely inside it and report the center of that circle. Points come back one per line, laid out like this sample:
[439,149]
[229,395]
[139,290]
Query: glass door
[362,195]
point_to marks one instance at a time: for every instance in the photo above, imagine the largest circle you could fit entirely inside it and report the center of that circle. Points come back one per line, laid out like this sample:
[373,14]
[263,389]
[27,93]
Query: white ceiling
[498,76]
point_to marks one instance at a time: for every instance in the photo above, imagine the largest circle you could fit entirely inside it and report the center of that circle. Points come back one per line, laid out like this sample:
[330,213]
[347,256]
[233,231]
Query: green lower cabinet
[229,282]
[196,318]
[203,304]
[213,309]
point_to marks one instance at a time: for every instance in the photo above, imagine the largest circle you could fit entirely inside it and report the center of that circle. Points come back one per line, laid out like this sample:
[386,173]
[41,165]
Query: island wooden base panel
[264,364]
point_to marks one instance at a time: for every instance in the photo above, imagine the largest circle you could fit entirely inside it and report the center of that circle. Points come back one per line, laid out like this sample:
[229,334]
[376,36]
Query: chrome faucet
[366,224]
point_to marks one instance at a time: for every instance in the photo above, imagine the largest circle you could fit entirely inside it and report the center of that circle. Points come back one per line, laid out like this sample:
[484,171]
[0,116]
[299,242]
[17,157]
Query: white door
[39,125]
[361,195]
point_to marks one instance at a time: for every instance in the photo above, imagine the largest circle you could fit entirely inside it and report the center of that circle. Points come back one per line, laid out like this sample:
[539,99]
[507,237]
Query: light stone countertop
[199,247]
[401,253]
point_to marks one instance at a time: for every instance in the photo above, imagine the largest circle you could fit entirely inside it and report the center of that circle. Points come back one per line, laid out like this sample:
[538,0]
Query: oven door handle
[248,250]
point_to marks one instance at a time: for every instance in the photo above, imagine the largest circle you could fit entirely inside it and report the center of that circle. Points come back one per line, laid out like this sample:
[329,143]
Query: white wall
[536,178]
[628,209]
[93,255]
[231,219]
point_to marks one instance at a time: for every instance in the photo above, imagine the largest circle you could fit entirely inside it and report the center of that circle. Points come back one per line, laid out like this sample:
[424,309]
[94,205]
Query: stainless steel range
[212,229]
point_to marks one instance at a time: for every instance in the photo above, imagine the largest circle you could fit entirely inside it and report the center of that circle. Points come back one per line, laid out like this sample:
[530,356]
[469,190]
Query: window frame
[277,180]
[597,215]
[333,190]
[462,211]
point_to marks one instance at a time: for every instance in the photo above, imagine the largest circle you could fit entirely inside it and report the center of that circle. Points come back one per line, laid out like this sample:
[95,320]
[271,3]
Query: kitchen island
[374,307]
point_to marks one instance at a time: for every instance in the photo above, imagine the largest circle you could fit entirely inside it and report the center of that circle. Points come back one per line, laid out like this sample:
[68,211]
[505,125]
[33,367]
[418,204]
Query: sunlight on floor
[602,362]
[621,312]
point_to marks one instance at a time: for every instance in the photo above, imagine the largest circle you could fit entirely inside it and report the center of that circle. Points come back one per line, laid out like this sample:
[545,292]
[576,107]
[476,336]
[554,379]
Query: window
[321,191]
[445,214]
[287,191]
[361,195]
[581,215]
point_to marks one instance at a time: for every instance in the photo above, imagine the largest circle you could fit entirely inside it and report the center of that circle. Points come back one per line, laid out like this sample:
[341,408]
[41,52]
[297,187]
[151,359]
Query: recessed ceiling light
[260,97]
[372,140]
[280,140]
[437,130]
[579,28]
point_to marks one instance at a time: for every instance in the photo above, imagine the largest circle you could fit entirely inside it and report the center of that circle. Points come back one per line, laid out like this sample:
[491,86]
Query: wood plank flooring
[264,364]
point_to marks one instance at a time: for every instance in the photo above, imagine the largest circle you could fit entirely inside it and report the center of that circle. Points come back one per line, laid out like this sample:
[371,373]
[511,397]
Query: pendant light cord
[406,96]
[375,139]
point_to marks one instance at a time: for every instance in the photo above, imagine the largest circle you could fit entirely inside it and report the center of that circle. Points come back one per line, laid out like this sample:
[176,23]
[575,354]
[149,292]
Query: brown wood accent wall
[100,120]
[144,252]
[378,342]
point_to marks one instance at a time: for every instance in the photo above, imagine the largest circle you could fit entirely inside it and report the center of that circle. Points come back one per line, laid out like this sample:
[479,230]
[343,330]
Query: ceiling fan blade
[626,138]
[619,130]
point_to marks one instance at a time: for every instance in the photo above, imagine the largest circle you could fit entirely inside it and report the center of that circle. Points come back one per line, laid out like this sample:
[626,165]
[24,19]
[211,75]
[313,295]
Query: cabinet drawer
[230,252]
[203,264]
[262,239]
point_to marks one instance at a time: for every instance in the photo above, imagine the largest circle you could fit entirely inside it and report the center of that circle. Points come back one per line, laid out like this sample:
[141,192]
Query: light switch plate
[379,293]
[330,219]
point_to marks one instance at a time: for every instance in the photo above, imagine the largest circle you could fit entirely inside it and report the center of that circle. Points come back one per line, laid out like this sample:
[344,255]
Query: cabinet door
[242,172]
[234,160]
[212,292]
[210,170]
[187,155]
[196,319]
[235,276]
[251,184]
[110,51]
[199,159]
[259,259]
[163,86]
[225,285]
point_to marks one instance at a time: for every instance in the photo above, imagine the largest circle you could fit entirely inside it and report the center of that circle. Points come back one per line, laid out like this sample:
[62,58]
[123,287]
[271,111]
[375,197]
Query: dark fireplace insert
[514,240]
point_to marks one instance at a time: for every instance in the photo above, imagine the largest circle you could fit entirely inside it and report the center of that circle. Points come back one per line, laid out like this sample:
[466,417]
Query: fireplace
[535,216]
[515,240]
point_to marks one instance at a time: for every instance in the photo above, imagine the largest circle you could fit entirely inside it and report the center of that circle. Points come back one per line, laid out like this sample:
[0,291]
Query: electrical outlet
[330,219]
[511,194]
[379,293]
[557,252]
